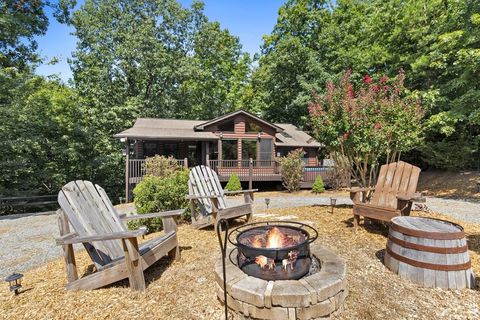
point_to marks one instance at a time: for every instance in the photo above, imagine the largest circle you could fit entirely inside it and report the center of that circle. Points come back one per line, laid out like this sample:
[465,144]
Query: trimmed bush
[291,168]
[155,194]
[233,183]
[318,186]
[160,166]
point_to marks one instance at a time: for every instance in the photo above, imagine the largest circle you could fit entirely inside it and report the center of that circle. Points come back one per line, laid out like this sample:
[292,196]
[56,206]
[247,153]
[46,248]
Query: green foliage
[160,166]
[155,58]
[318,186]
[291,168]
[20,23]
[314,41]
[44,139]
[156,194]
[233,183]
[368,123]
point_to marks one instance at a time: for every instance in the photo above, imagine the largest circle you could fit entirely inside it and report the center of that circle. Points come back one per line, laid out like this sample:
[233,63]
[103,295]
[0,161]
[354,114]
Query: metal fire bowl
[246,254]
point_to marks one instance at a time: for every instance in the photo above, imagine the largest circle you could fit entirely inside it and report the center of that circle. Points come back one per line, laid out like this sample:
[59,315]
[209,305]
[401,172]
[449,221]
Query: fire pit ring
[274,250]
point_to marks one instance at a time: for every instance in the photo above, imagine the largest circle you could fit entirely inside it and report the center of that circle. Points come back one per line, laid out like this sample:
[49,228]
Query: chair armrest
[355,190]
[165,214]
[193,197]
[71,238]
[416,197]
[240,191]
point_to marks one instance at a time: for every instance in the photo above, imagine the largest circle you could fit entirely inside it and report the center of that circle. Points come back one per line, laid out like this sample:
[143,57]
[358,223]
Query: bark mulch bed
[186,290]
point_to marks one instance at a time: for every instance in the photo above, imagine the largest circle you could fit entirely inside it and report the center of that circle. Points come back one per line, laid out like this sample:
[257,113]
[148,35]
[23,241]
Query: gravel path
[28,240]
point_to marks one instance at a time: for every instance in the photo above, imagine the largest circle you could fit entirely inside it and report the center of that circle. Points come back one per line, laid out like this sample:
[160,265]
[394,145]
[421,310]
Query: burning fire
[275,238]
[257,243]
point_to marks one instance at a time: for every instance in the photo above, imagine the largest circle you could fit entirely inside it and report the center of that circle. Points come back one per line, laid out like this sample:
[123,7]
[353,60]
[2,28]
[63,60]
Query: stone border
[311,297]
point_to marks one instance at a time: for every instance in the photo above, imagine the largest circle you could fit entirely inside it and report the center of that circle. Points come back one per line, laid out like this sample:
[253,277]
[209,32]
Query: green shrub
[291,168]
[233,183]
[160,166]
[155,194]
[318,186]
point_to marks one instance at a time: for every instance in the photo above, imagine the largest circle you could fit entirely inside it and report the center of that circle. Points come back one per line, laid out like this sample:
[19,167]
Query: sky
[247,19]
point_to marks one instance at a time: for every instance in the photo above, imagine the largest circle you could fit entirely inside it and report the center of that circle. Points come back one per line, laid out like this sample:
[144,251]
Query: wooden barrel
[430,252]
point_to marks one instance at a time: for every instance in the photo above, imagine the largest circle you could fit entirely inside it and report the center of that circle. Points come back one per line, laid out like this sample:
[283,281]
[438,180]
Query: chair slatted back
[396,178]
[90,212]
[203,181]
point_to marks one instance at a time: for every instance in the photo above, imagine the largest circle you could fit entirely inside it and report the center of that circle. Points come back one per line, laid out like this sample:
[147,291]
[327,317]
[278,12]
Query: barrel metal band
[439,267]
[429,235]
[420,247]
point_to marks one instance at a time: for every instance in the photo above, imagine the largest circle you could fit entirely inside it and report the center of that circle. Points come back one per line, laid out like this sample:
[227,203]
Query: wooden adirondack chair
[206,194]
[392,196]
[112,247]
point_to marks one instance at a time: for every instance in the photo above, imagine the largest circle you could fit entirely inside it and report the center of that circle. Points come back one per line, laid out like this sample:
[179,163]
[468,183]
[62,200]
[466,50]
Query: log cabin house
[238,142]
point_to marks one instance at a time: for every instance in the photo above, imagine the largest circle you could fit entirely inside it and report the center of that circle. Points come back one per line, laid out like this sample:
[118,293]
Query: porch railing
[310,173]
[247,170]
[136,169]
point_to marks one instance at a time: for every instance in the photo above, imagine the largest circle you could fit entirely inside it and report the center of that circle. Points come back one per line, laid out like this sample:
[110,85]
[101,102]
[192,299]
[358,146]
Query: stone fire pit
[314,296]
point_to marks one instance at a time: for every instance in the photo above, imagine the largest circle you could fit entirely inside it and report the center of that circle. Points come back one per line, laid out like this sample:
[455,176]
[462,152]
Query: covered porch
[247,170]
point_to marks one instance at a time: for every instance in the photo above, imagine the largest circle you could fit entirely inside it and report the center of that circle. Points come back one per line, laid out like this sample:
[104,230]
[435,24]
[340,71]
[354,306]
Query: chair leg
[134,266]
[175,253]
[356,220]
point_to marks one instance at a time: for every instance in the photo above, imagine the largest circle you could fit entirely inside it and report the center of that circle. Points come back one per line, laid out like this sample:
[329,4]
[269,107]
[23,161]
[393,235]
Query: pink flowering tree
[365,124]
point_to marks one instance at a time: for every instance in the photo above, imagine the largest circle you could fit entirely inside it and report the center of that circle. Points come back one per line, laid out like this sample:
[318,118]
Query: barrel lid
[427,228]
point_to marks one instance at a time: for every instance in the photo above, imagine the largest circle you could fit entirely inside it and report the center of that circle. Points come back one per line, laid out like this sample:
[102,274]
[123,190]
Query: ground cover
[185,289]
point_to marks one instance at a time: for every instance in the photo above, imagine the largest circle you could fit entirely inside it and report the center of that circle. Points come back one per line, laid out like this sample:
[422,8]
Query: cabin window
[228,126]
[249,150]
[229,149]
[266,152]
[171,149]
[213,148]
[150,149]
[252,127]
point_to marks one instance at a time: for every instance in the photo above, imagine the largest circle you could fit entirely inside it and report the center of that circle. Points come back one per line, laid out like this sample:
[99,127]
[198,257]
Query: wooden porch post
[250,174]
[127,170]
[185,162]
[220,152]
[207,153]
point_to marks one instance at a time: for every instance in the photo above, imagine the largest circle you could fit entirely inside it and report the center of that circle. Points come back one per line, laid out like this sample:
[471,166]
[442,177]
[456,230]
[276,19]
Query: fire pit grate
[274,250]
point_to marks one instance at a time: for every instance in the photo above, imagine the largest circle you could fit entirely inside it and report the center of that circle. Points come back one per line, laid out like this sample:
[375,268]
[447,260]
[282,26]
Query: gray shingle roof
[164,129]
[294,137]
[148,128]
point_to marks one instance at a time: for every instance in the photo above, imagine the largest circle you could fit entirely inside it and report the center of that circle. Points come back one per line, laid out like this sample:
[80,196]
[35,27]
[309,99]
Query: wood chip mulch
[186,289]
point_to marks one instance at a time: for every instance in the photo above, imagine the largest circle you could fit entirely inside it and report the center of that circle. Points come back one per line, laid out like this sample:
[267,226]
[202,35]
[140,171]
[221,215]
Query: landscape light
[333,202]
[14,281]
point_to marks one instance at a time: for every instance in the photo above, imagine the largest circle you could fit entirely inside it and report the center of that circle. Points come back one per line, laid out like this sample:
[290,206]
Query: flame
[257,243]
[275,238]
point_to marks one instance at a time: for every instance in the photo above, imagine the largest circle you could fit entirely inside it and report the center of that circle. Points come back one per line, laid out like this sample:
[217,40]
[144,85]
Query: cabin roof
[292,136]
[176,129]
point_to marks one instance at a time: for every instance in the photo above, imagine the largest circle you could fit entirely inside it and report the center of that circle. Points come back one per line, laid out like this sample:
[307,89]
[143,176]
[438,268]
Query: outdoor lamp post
[14,281]
[267,201]
[333,202]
